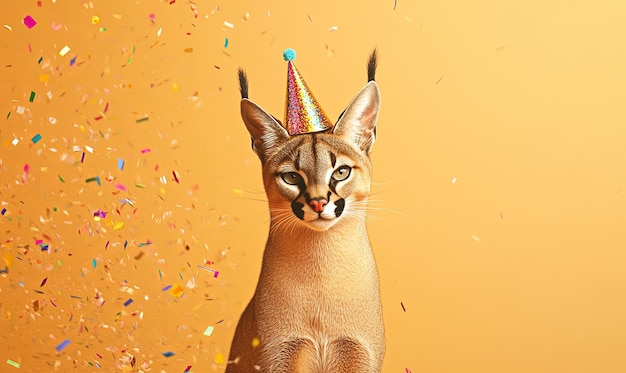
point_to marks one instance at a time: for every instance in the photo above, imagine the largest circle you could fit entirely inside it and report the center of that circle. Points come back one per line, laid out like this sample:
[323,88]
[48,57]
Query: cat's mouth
[321,223]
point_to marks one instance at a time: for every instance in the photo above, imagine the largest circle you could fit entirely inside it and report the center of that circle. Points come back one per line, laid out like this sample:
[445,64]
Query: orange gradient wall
[498,215]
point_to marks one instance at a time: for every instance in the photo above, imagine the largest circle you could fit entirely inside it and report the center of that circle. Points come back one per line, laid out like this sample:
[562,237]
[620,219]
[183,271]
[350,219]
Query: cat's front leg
[293,356]
[347,355]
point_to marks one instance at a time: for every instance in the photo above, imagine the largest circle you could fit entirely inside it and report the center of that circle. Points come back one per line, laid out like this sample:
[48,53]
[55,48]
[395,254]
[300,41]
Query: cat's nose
[318,204]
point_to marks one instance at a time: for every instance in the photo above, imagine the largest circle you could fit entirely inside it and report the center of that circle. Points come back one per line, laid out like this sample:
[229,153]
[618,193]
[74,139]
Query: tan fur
[317,305]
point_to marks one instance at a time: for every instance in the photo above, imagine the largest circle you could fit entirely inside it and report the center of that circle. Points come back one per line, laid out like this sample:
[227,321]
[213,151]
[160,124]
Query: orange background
[499,177]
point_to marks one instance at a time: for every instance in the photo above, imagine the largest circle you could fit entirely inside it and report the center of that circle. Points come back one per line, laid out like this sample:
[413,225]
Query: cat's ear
[358,121]
[266,132]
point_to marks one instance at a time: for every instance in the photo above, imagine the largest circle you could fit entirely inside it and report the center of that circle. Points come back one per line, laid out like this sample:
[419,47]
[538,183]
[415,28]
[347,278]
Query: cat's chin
[320,224]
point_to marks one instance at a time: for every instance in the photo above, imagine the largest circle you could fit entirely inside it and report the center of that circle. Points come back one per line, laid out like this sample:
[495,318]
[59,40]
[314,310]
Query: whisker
[254,199]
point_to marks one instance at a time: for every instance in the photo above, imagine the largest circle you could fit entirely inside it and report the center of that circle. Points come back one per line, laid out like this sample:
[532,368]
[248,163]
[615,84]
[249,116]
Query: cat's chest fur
[318,290]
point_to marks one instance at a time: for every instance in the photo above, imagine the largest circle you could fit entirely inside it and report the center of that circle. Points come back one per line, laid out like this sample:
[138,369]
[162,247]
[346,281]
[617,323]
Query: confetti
[120,164]
[36,138]
[64,51]
[255,342]
[403,309]
[61,346]
[73,61]
[128,302]
[32,96]
[228,24]
[176,178]
[226,43]
[43,282]
[94,263]
[4,211]
[219,358]
[187,369]
[144,151]
[334,28]
[167,354]
[140,120]
[29,22]
[13,363]
[177,290]
[92,179]
[209,330]
[95,20]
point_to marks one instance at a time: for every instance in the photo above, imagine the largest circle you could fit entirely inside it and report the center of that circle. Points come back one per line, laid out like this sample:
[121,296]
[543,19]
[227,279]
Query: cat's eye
[341,173]
[291,178]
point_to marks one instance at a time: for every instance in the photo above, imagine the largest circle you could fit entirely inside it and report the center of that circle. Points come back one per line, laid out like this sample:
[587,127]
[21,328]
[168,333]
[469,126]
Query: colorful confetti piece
[61,346]
[128,302]
[64,51]
[255,342]
[209,330]
[219,358]
[167,354]
[29,22]
[13,363]
[36,138]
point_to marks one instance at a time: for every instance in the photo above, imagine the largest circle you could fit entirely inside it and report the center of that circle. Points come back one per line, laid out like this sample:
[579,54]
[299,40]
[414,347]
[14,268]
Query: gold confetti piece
[238,192]
[174,87]
[118,225]
[476,238]
[44,78]
[8,259]
[219,358]
[64,51]
[8,27]
[255,342]
[95,20]
[228,24]
[177,290]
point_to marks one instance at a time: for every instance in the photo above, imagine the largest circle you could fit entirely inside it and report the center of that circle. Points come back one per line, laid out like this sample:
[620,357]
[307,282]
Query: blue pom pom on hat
[289,54]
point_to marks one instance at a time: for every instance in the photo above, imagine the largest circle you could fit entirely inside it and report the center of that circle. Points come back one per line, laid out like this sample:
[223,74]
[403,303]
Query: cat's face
[316,180]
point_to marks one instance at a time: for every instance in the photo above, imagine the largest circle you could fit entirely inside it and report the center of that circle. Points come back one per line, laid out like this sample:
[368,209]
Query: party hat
[303,114]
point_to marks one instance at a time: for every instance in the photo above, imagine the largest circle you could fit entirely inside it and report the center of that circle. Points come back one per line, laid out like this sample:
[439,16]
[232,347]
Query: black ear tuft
[372,64]
[243,83]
